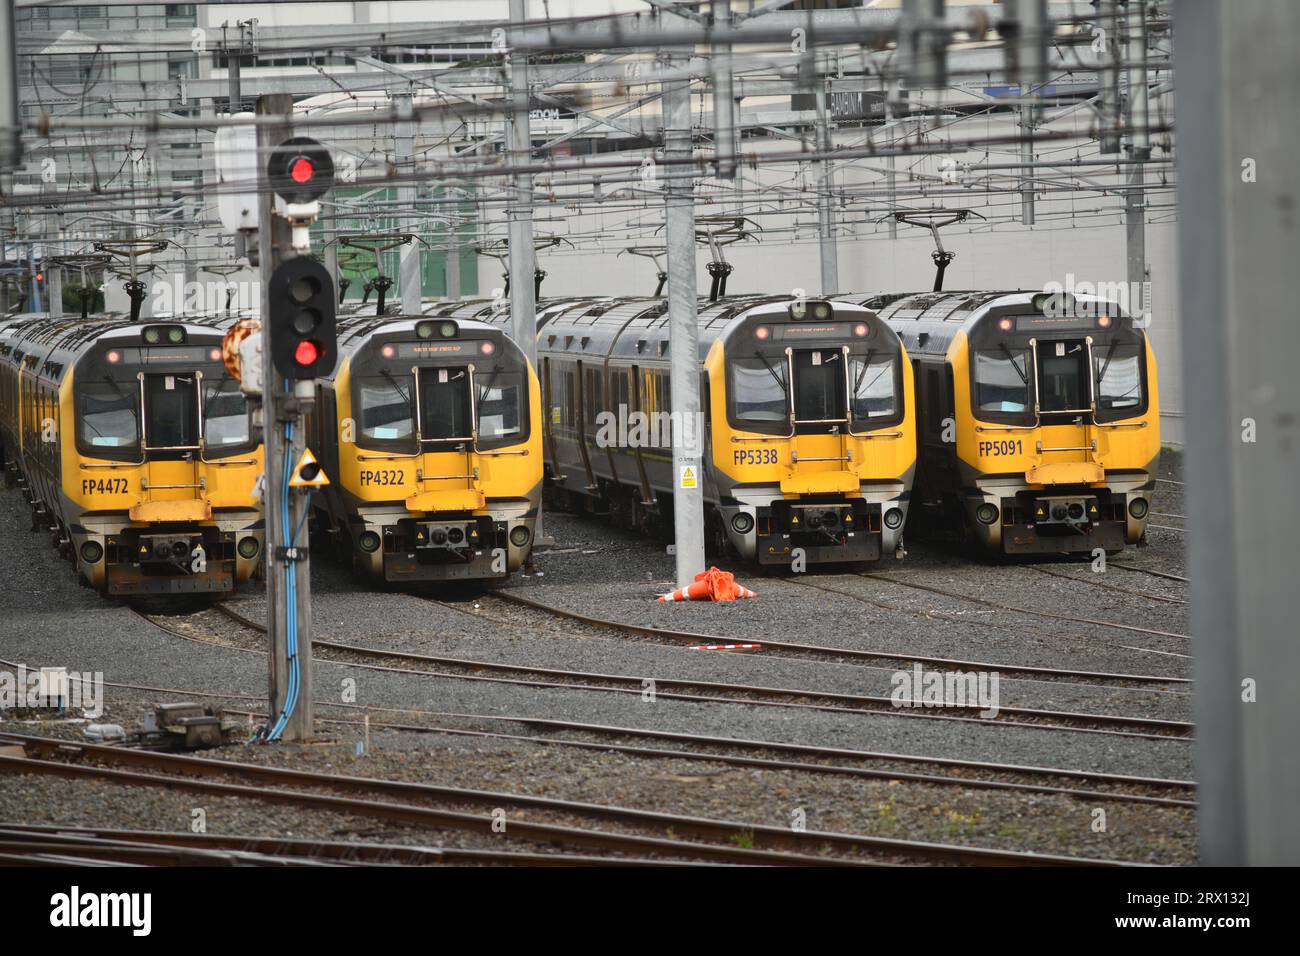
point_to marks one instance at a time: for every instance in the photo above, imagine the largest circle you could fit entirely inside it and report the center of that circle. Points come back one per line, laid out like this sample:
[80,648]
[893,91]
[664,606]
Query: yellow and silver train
[1039,426]
[431,432]
[808,427]
[132,445]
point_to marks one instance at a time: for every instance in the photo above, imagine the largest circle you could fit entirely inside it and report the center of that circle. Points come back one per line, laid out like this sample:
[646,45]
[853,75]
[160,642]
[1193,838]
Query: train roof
[927,322]
[632,327]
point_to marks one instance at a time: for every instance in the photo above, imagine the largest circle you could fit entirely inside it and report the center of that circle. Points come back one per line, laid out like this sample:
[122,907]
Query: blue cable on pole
[291,599]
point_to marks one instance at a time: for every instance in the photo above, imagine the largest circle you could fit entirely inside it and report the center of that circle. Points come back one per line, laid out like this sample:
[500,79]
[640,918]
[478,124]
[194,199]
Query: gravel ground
[599,570]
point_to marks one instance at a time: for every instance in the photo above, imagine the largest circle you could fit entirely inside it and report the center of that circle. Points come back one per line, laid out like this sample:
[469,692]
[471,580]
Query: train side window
[107,416]
[499,406]
[225,414]
[385,409]
[1002,380]
[1120,392]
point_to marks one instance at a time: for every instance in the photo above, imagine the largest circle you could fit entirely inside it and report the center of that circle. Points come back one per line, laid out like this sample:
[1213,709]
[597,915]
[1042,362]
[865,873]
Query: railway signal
[300,308]
[300,170]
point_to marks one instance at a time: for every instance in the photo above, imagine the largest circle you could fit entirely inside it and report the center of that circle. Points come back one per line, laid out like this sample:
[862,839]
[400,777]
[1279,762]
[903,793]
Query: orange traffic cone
[710,585]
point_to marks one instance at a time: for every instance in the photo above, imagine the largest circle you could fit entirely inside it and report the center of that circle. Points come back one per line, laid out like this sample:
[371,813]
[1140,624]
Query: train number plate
[1005,446]
[103,486]
[383,478]
[755,456]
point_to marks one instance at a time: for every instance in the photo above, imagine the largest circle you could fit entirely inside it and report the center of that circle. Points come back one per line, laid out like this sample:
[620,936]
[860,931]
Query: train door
[170,420]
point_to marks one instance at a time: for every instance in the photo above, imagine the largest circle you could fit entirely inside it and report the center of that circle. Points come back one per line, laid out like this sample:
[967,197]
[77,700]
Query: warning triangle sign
[308,473]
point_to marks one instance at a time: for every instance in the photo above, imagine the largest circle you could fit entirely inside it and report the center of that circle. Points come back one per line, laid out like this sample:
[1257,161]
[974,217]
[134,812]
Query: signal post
[298,343]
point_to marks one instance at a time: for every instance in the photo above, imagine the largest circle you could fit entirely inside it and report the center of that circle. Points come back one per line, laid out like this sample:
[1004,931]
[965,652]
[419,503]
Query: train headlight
[861,330]
[893,518]
[248,548]
[487,348]
[987,513]
[153,336]
[520,535]
[175,336]
[742,522]
[368,541]
[1138,508]
[91,552]
[1075,511]
[762,333]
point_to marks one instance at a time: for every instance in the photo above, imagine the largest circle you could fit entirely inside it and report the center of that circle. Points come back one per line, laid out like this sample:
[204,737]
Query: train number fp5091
[1005,446]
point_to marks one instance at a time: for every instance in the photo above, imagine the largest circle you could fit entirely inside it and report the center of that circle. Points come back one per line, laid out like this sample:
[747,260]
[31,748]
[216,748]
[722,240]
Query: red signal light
[40,277]
[301,170]
[861,330]
[307,352]
[1103,321]
[762,332]
[487,348]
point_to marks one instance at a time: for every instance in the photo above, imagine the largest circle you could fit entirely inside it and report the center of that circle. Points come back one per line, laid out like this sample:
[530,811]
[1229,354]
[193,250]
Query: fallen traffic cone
[711,585]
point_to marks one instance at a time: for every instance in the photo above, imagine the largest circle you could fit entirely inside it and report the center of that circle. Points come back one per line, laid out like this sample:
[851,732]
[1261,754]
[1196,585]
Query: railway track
[758,753]
[1001,606]
[47,844]
[442,807]
[1164,599]
[821,652]
[717,692]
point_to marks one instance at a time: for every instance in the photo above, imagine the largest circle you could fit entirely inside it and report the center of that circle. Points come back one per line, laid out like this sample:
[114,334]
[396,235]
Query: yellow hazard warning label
[689,477]
[308,473]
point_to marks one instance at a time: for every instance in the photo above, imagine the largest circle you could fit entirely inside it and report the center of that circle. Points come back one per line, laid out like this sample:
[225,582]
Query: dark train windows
[384,409]
[108,419]
[1062,377]
[760,394]
[500,408]
[171,412]
[444,403]
[1120,372]
[819,399]
[225,415]
[1002,383]
[873,389]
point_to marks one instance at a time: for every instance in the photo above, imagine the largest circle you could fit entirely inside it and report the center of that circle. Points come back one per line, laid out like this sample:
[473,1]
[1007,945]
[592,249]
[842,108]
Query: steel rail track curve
[509,595]
[1058,721]
[737,743]
[768,844]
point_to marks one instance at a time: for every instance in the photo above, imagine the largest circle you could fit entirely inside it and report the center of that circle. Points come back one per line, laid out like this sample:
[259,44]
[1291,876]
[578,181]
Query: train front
[813,441]
[442,471]
[1058,433]
[159,470]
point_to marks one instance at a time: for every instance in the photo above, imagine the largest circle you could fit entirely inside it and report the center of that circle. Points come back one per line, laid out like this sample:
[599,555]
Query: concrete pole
[684,336]
[11,144]
[54,279]
[1236,240]
[410,274]
[452,262]
[1139,147]
[1027,155]
[830,257]
[1108,21]
[523,259]
[724,102]
[274,242]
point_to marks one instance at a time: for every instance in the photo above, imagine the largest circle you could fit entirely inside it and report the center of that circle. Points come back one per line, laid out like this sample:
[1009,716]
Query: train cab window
[1062,386]
[874,395]
[171,412]
[500,418]
[225,414]
[1002,381]
[819,399]
[386,412]
[1119,381]
[760,394]
[444,403]
[108,417]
